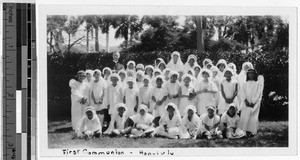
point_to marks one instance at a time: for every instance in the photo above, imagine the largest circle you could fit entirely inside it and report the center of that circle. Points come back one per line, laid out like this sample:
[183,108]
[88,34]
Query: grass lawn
[270,134]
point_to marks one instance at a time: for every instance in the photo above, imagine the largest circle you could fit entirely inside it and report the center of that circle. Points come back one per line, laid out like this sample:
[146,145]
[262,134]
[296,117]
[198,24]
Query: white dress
[142,121]
[232,122]
[78,91]
[210,122]
[189,128]
[145,95]
[117,123]
[172,124]
[205,98]
[130,99]
[98,89]
[184,102]
[114,95]
[218,95]
[89,125]
[173,90]
[229,89]
[252,91]
[159,93]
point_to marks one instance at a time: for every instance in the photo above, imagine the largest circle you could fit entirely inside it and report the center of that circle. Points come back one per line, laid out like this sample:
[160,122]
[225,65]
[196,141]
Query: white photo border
[42,120]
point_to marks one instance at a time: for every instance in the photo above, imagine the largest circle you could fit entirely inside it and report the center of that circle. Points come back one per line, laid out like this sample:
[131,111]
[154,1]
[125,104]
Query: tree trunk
[96,40]
[69,43]
[200,39]
[107,41]
[87,41]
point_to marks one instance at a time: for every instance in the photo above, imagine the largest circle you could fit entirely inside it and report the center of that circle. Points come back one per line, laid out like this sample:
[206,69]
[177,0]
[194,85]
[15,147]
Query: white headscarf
[206,60]
[243,74]
[130,62]
[141,66]
[160,60]
[162,63]
[122,71]
[156,70]
[176,112]
[161,77]
[187,76]
[194,117]
[172,65]
[173,73]
[233,67]
[221,61]
[140,72]
[131,72]
[200,78]
[187,65]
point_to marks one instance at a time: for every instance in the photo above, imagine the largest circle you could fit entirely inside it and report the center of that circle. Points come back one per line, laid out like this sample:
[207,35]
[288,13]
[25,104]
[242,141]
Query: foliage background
[262,40]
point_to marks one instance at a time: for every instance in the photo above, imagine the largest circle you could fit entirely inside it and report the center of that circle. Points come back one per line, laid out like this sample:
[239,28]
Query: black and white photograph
[164,79]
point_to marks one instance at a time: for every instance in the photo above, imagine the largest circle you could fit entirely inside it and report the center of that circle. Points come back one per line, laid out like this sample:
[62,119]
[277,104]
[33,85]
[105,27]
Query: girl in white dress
[142,122]
[131,73]
[159,96]
[145,93]
[149,71]
[175,64]
[197,70]
[233,67]
[139,78]
[205,90]
[230,122]
[158,61]
[166,74]
[114,94]
[79,97]
[194,80]
[210,122]
[89,126]
[215,71]
[169,122]
[89,76]
[173,88]
[117,123]
[205,62]
[190,63]
[162,66]
[181,73]
[229,91]
[190,123]
[251,98]
[123,77]
[222,64]
[242,77]
[130,66]
[97,93]
[106,73]
[185,92]
[156,73]
[131,97]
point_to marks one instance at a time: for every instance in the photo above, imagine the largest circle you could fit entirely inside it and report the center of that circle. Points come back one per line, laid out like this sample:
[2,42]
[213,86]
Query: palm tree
[127,26]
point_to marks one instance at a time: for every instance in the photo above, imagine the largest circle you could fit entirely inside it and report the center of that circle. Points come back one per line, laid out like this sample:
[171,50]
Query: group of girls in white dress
[173,100]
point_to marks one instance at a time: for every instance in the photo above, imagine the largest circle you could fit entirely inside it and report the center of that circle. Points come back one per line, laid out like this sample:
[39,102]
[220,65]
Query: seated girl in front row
[89,125]
[229,123]
[117,123]
[210,123]
[169,123]
[190,123]
[142,122]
